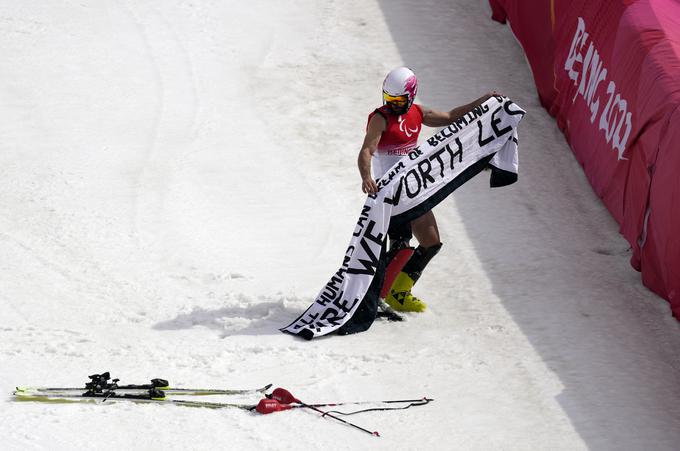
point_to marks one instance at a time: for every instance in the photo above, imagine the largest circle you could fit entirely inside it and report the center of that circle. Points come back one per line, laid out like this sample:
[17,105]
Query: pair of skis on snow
[101,388]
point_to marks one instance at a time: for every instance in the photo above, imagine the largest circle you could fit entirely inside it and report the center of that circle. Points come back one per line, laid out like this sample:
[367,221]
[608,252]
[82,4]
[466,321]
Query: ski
[101,382]
[141,388]
[153,396]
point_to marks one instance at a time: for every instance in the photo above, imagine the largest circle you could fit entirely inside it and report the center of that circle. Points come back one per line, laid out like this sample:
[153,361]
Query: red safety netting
[609,72]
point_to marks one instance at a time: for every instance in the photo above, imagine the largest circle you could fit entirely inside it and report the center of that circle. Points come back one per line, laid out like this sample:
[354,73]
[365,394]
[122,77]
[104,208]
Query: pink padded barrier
[609,71]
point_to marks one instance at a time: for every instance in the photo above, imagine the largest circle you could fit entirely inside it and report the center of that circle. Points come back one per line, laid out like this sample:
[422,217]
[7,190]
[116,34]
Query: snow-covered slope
[178,180]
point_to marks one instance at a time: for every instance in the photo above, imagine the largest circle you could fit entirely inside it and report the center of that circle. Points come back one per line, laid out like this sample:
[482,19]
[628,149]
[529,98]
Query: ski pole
[283,396]
[266,406]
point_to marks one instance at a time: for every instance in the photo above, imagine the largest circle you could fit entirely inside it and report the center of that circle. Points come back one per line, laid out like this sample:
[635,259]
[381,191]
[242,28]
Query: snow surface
[179,180]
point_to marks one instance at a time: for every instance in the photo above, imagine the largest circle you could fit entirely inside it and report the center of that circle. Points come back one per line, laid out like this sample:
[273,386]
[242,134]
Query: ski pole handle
[283,396]
[266,406]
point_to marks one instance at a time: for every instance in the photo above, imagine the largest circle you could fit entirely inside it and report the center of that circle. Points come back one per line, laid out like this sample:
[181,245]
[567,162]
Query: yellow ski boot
[400,297]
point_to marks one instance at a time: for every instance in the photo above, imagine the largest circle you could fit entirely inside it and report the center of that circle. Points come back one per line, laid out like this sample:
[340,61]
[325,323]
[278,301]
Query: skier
[392,132]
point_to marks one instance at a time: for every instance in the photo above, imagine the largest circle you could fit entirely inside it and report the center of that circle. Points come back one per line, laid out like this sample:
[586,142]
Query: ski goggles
[398,101]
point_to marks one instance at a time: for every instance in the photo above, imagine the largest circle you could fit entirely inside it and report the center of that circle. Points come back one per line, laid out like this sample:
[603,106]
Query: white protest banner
[484,137]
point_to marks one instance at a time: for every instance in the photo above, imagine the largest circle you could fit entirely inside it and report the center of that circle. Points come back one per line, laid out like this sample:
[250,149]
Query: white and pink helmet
[399,89]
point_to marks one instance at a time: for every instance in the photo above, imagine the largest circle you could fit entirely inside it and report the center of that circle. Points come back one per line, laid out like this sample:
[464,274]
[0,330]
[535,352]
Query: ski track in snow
[179,180]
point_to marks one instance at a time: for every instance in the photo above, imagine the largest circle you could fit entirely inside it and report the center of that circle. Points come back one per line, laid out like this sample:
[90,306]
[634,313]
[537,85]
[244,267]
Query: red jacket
[401,134]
